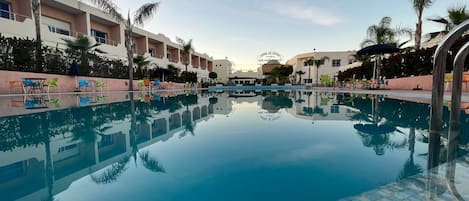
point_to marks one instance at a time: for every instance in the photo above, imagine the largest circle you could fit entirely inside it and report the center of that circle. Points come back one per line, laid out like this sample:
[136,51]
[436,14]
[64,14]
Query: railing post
[439,70]
[455,116]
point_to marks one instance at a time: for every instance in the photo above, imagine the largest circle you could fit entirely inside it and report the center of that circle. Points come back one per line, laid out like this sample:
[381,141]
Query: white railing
[105,41]
[6,14]
[57,30]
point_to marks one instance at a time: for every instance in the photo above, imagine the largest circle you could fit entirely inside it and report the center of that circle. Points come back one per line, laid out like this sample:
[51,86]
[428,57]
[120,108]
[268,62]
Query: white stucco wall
[327,69]
[26,29]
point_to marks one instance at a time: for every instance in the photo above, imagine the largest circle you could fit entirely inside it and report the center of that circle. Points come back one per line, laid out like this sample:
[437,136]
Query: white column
[165,51]
[88,24]
[190,61]
[146,44]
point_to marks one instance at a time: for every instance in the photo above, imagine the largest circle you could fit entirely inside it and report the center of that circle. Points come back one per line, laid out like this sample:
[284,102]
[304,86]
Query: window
[305,63]
[58,30]
[335,62]
[5,11]
[100,36]
[57,26]
[151,51]
[66,148]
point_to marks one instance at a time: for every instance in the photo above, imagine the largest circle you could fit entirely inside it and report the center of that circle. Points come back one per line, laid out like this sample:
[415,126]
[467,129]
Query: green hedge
[406,64]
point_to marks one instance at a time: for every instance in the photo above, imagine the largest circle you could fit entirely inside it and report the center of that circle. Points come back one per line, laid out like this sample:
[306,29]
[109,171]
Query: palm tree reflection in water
[112,173]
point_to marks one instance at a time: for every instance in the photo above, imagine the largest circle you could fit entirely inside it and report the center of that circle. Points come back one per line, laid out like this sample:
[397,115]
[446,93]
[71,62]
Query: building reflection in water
[59,145]
[43,152]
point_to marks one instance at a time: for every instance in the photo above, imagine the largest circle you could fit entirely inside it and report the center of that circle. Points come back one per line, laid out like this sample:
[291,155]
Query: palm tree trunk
[378,70]
[418,33]
[317,75]
[36,6]
[185,76]
[130,59]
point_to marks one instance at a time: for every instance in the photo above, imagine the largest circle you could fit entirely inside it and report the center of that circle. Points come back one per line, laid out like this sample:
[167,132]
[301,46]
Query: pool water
[212,146]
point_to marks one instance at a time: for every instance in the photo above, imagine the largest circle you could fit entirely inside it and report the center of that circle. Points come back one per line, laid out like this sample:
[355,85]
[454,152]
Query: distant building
[337,61]
[269,66]
[223,68]
[245,77]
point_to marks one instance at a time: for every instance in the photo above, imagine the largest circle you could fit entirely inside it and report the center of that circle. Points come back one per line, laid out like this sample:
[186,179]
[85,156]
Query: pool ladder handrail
[439,68]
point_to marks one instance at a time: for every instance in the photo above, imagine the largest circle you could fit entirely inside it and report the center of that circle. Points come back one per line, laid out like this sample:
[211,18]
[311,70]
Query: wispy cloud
[309,13]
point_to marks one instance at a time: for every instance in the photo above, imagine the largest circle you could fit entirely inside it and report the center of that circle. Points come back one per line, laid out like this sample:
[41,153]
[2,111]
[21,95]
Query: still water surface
[213,146]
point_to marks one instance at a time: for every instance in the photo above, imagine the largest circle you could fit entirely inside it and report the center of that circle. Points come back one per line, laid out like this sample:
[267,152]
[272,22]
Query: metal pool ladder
[439,68]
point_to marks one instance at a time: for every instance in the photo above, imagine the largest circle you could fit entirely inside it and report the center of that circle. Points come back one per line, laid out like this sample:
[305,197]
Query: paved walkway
[446,182]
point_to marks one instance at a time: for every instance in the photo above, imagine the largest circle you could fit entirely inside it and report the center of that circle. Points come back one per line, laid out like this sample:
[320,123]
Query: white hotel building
[71,18]
[338,61]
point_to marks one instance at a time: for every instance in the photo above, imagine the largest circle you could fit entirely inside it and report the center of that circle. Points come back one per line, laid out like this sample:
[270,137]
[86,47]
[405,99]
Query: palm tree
[36,6]
[455,16]
[383,33]
[187,49]
[309,62]
[142,63]
[318,63]
[142,14]
[113,172]
[300,74]
[84,49]
[419,6]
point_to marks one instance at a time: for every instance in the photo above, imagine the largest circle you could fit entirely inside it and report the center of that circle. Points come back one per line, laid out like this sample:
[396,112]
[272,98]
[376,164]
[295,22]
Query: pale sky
[243,29]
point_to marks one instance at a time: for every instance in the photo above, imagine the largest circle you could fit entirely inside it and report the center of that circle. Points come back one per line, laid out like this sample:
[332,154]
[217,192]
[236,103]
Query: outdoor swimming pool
[211,146]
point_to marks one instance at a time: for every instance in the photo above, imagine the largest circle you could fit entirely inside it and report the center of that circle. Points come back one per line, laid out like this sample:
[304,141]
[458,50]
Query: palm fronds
[145,12]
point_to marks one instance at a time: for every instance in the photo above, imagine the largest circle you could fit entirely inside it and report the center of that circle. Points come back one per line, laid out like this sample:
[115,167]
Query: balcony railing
[6,14]
[173,60]
[105,41]
[157,56]
[57,30]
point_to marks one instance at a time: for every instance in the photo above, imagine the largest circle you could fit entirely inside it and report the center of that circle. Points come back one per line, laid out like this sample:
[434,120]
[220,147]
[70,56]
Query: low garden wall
[68,83]
[423,82]
[409,83]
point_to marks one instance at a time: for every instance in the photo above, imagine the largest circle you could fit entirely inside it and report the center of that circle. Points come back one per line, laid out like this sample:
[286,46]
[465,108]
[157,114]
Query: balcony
[104,31]
[195,61]
[203,63]
[63,20]
[9,15]
[210,66]
[155,48]
[172,54]
[15,10]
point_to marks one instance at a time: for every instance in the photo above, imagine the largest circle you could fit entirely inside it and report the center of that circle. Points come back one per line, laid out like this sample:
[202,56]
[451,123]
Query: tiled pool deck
[446,182]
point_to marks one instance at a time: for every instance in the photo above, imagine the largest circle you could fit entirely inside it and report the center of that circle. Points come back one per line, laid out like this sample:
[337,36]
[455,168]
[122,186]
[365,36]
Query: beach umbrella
[378,50]
[374,129]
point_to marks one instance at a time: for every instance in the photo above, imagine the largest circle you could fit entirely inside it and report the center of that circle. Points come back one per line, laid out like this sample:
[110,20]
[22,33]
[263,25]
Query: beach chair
[326,80]
[28,85]
[82,83]
[54,83]
[15,84]
[156,84]
[100,84]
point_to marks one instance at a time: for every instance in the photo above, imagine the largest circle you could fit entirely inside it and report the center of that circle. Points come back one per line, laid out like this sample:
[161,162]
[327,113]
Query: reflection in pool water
[216,146]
